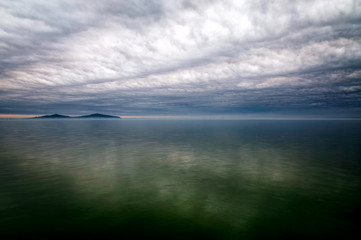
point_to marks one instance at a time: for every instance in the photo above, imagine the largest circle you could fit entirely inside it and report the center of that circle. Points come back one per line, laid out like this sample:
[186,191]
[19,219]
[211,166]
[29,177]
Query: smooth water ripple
[180,179]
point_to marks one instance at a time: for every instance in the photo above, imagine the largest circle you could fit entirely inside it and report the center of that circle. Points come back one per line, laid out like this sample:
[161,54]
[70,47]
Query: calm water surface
[180,179]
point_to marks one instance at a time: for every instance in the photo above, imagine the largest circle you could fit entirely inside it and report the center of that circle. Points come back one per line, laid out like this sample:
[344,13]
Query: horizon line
[201,117]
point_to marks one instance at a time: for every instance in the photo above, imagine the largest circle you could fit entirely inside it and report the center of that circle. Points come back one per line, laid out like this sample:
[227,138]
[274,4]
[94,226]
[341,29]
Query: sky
[181,58]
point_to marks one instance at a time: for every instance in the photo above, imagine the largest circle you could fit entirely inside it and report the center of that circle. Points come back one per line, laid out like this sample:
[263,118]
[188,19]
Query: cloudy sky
[205,57]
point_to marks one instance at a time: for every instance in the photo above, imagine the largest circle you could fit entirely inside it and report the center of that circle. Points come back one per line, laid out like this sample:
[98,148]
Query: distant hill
[95,115]
[53,116]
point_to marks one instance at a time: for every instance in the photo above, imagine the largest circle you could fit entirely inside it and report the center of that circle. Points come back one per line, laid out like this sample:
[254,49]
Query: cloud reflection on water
[214,177]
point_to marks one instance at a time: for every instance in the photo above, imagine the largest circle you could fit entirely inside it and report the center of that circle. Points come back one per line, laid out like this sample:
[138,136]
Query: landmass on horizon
[59,116]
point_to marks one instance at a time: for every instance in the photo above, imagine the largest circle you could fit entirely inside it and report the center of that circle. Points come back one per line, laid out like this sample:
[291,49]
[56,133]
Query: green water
[172,179]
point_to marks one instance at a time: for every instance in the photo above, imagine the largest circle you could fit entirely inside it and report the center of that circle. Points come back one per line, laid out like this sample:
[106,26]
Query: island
[92,116]
[97,115]
[54,116]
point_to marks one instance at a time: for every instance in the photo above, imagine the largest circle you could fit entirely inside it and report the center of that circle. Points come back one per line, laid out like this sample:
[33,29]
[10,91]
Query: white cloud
[163,48]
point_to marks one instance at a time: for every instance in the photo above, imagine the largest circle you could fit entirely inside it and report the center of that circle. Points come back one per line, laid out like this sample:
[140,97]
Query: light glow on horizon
[18,116]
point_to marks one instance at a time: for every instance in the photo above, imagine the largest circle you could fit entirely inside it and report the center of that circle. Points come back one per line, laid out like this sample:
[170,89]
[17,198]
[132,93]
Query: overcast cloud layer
[146,57]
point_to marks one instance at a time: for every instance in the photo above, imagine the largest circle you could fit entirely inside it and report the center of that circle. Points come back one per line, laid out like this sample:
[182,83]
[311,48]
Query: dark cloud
[180,57]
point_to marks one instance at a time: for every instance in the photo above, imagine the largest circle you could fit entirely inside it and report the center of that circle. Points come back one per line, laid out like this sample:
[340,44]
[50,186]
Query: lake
[180,179]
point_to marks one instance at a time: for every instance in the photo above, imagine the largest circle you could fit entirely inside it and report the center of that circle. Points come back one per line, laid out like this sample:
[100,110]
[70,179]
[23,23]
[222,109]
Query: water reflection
[215,179]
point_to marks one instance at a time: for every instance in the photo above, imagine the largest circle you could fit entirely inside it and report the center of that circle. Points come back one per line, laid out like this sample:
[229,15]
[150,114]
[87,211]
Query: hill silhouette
[97,115]
[94,115]
[53,116]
